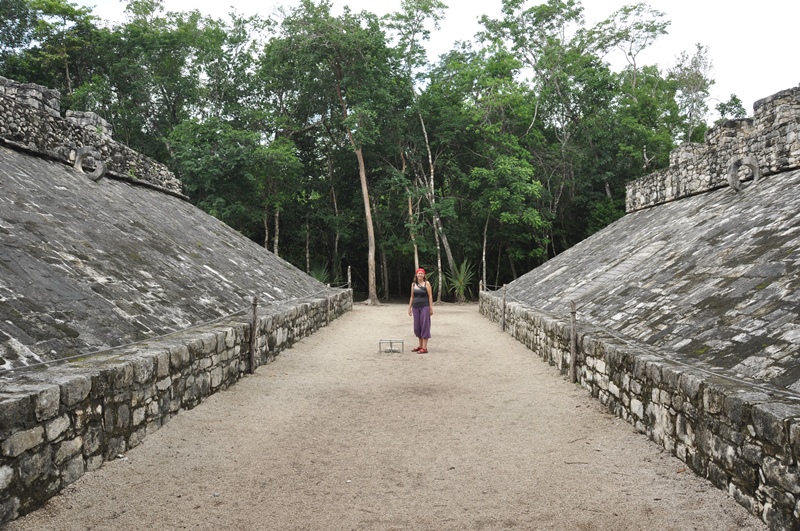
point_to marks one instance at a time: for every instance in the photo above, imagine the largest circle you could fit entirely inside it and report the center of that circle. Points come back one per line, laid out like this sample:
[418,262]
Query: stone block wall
[771,138]
[56,424]
[30,118]
[742,437]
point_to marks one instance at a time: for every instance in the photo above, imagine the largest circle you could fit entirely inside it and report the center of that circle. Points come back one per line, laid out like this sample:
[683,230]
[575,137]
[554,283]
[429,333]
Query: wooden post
[503,311]
[328,303]
[573,345]
[349,281]
[253,335]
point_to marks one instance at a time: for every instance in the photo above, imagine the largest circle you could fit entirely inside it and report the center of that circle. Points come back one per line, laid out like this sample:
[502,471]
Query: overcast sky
[754,49]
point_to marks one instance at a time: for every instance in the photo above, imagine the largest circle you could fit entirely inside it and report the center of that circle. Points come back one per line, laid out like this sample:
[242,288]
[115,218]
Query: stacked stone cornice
[58,423]
[744,438]
[30,118]
[770,141]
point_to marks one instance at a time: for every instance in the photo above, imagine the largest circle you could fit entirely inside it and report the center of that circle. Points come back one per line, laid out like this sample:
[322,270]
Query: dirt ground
[478,434]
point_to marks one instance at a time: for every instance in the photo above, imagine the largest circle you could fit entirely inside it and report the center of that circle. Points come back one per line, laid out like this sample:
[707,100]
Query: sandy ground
[478,434]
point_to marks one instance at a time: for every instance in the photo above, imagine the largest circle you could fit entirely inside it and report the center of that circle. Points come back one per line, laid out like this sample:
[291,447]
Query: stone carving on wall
[734,180]
[769,141]
[30,118]
[89,152]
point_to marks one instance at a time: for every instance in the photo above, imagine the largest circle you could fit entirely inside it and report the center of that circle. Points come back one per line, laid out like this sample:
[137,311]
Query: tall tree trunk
[337,267]
[438,266]
[499,256]
[362,172]
[277,232]
[266,228]
[68,76]
[412,221]
[438,226]
[400,280]
[372,298]
[483,251]
[554,210]
[450,262]
[308,250]
[384,260]
[430,192]
[511,261]
[385,271]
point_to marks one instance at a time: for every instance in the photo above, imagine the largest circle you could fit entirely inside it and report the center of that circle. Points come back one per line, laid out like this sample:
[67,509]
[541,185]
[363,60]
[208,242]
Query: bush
[460,279]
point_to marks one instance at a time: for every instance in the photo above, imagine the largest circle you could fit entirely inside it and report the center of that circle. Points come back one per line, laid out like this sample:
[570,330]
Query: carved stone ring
[88,151]
[733,171]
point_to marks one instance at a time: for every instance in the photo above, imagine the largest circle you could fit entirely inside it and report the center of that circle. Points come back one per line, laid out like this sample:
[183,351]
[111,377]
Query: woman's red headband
[420,270]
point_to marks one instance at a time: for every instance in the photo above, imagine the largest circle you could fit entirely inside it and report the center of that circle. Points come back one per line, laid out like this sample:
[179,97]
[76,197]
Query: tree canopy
[333,140]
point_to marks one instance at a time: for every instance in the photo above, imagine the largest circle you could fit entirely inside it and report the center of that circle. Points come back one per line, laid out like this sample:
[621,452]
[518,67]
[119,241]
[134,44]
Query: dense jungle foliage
[334,142]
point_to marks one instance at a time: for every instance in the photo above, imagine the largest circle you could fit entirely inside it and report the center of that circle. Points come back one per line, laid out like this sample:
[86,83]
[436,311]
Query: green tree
[222,171]
[569,85]
[631,29]
[62,41]
[350,58]
[500,187]
[227,54]
[409,27]
[147,82]
[279,184]
[692,77]
[732,108]
[595,133]
[17,21]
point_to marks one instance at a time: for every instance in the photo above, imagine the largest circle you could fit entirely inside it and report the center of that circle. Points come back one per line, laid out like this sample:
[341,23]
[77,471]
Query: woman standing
[421,307]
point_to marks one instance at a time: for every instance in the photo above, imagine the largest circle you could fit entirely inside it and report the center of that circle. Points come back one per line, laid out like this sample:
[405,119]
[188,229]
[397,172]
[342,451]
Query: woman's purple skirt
[422,321]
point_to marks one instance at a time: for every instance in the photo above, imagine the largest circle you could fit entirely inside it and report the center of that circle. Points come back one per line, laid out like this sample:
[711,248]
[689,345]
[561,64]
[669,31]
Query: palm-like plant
[320,272]
[460,280]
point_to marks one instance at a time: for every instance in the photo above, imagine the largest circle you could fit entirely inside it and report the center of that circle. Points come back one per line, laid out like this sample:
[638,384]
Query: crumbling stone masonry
[744,438]
[768,142]
[688,309]
[120,303]
[60,422]
[30,118]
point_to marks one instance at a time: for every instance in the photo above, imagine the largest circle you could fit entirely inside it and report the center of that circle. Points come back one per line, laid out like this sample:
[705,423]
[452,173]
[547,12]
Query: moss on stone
[66,330]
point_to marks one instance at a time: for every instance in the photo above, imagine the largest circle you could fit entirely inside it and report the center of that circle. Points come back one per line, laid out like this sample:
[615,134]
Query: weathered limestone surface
[88,265]
[770,139]
[713,280]
[120,305]
[688,312]
[30,118]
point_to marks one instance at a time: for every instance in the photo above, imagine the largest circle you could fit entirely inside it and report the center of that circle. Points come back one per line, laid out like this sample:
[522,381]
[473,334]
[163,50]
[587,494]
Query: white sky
[754,49]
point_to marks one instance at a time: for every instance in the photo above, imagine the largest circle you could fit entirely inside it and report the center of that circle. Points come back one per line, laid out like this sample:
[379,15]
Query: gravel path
[478,434]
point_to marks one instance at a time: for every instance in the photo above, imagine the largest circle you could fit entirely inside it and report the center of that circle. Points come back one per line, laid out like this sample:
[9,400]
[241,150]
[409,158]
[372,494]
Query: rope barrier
[98,352]
[508,294]
[769,390]
[764,387]
[4,372]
